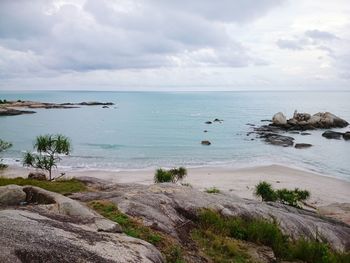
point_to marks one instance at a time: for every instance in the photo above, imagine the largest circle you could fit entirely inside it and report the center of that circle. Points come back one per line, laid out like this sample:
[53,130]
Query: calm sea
[153,129]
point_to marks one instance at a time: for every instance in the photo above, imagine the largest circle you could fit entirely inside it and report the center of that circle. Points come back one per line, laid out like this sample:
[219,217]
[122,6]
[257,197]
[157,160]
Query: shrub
[212,190]
[265,191]
[284,196]
[173,175]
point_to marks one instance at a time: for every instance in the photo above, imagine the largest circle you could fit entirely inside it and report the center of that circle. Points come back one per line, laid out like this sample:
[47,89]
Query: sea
[148,130]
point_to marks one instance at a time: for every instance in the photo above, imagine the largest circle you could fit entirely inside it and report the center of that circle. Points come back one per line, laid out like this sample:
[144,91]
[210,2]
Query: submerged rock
[346,136]
[208,122]
[302,145]
[277,139]
[332,135]
[13,112]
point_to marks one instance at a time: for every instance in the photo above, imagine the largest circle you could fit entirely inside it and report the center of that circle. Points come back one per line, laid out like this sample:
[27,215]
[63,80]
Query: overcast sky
[175,44]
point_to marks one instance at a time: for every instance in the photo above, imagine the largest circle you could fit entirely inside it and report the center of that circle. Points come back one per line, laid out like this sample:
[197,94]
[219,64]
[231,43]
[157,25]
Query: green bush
[3,147]
[212,190]
[170,176]
[284,196]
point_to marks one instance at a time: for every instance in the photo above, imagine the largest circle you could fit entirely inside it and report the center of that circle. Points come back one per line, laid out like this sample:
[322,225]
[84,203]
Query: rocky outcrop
[346,136]
[13,112]
[304,121]
[55,228]
[171,208]
[279,119]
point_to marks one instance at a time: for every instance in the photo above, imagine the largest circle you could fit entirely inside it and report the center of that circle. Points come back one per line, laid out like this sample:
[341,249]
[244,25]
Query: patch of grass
[221,230]
[212,190]
[63,186]
[170,249]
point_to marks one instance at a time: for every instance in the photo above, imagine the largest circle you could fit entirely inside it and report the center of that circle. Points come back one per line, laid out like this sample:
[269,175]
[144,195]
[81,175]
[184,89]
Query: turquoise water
[149,130]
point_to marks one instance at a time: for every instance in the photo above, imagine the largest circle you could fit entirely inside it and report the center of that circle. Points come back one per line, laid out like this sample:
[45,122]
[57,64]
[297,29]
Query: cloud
[320,35]
[289,44]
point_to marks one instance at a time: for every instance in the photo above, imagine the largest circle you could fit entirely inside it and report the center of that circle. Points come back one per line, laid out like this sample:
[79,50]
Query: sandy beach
[324,190]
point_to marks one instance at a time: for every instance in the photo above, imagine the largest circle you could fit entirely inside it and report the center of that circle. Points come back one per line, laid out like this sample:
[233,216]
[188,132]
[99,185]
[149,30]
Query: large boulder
[327,120]
[279,119]
[11,195]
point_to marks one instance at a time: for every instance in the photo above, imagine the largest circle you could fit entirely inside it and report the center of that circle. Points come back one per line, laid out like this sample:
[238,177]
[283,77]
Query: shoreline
[325,190]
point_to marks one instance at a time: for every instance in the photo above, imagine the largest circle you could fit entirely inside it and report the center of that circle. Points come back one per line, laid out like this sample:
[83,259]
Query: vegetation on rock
[49,147]
[64,187]
[219,236]
[212,190]
[170,176]
[284,196]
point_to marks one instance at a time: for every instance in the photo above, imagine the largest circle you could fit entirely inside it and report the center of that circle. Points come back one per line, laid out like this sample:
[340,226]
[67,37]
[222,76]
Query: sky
[174,45]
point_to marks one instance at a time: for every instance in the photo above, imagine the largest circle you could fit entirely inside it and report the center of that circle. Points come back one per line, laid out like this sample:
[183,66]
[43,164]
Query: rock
[171,208]
[279,119]
[205,142]
[294,132]
[205,131]
[37,176]
[277,139]
[327,120]
[218,120]
[31,236]
[95,103]
[332,135]
[302,145]
[339,211]
[346,135]
[301,116]
[305,133]
[105,107]
[11,195]
[208,122]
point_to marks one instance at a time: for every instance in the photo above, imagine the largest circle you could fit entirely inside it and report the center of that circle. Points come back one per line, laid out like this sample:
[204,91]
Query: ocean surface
[146,130]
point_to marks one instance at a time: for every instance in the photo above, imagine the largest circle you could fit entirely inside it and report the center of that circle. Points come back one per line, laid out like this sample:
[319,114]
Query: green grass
[212,190]
[170,249]
[64,187]
[223,231]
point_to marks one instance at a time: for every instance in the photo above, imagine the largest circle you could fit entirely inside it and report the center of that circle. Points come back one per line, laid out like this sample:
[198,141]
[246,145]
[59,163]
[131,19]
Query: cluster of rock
[206,142]
[305,121]
[10,108]
[298,124]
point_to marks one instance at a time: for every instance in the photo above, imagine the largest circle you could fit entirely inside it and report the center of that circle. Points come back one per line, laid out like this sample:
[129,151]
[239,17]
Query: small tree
[48,147]
[3,147]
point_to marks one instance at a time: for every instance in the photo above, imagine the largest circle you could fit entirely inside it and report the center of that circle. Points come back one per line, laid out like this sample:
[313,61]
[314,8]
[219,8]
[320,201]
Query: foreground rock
[59,229]
[172,208]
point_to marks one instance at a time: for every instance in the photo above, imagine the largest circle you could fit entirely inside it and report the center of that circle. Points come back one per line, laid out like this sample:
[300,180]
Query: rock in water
[205,142]
[332,135]
[302,145]
[277,139]
[279,119]
[346,135]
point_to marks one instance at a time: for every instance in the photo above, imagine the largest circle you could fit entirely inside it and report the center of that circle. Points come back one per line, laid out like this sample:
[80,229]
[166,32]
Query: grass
[212,190]
[170,249]
[217,235]
[64,187]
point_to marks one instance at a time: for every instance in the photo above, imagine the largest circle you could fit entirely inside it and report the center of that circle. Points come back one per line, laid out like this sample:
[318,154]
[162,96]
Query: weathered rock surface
[11,195]
[28,236]
[302,145]
[277,139]
[279,119]
[332,135]
[339,211]
[346,136]
[55,228]
[37,176]
[171,208]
